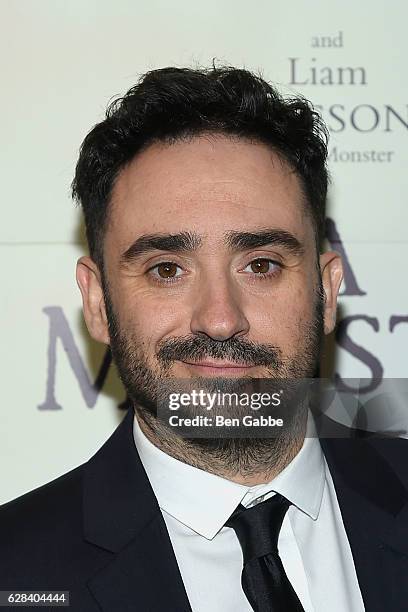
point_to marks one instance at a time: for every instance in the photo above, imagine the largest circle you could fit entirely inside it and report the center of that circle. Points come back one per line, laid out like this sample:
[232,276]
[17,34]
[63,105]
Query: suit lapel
[121,515]
[143,576]
[373,504]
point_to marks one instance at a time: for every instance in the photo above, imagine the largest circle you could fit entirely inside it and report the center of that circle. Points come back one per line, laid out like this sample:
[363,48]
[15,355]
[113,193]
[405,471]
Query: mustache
[197,348]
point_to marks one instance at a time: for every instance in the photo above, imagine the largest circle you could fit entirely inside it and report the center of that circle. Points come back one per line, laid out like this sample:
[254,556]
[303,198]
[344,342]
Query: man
[204,201]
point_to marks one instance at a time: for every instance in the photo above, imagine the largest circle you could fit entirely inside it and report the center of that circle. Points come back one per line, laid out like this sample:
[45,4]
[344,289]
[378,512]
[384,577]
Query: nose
[217,311]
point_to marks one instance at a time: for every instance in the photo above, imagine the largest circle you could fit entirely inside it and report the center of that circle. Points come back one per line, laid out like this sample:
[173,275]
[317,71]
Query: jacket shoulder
[43,521]
[42,545]
[56,497]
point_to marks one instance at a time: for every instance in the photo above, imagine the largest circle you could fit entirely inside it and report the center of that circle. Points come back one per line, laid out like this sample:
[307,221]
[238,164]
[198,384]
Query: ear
[331,268]
[89,282]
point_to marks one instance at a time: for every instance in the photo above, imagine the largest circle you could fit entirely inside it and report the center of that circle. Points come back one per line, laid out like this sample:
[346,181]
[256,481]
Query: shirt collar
[203,501]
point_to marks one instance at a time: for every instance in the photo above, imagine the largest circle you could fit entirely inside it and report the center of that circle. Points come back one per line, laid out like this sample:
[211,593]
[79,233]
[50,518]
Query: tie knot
[258,527]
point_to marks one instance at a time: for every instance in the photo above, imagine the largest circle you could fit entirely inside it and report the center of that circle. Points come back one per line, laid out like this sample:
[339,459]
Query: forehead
[210,184]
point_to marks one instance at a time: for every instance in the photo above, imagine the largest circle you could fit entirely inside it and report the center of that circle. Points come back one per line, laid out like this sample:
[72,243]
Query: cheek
[282,318]
[153,319]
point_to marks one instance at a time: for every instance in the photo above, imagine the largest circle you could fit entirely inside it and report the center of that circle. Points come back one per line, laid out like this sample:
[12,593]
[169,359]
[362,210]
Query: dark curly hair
[170,104]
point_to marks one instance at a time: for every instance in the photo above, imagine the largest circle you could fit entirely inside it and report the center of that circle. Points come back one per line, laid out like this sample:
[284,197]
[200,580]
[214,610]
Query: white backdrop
[61,64]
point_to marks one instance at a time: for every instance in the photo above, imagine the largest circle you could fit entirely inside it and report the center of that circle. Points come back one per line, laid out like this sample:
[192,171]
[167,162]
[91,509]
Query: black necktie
[263,578]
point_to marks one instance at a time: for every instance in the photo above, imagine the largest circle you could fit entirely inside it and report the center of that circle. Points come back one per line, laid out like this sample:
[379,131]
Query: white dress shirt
[312,543]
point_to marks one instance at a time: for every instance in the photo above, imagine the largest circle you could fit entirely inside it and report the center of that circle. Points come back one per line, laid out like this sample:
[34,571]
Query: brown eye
[260,265]
[167,269]
[263,268]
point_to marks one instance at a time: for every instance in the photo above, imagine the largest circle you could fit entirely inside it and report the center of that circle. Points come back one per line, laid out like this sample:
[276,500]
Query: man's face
[210,257]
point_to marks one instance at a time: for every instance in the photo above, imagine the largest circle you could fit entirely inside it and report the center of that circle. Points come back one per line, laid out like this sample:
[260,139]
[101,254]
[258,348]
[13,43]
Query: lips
[218,364]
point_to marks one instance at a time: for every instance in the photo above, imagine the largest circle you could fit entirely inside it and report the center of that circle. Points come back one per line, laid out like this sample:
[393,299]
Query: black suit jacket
[98,531]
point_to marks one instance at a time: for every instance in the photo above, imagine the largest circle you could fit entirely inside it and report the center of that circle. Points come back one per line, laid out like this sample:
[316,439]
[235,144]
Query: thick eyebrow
[189,242]
[241,241]
[186,242]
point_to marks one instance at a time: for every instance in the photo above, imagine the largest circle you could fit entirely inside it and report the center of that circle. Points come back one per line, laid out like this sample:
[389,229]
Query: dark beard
[242,455]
